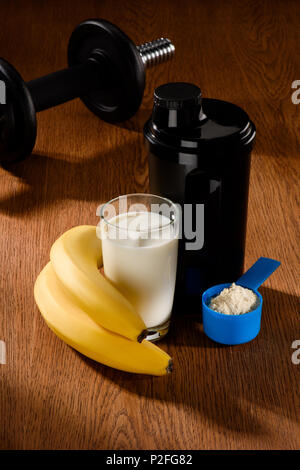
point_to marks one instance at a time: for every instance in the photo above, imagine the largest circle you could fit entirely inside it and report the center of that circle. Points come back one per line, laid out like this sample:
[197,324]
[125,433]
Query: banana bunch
[88,313]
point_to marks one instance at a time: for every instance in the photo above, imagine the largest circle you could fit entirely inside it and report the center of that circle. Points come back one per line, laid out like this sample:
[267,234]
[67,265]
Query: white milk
[140,259]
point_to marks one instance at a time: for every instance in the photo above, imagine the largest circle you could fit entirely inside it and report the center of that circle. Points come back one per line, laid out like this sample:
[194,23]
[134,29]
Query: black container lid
[177,95]
[184,122]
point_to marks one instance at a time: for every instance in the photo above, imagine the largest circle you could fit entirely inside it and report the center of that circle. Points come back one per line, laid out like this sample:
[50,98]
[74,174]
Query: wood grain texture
[218,397]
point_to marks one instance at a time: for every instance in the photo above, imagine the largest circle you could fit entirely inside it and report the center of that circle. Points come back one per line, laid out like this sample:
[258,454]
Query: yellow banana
[77,329]
[76,257]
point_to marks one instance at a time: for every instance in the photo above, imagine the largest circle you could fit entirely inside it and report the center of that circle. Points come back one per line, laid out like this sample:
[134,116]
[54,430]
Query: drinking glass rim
[137,194]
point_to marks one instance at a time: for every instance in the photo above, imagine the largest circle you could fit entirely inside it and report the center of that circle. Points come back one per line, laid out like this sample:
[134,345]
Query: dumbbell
[106,70]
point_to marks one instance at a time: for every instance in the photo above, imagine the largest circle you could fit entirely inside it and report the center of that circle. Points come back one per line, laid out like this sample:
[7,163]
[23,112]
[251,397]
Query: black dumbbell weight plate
[17,117]
[121,71]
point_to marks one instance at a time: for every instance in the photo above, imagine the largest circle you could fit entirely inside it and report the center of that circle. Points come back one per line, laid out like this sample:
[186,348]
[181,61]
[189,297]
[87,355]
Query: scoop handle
[258,273]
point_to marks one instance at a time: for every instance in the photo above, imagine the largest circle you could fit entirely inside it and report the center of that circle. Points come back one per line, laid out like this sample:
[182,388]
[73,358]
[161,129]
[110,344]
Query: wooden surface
[217,397]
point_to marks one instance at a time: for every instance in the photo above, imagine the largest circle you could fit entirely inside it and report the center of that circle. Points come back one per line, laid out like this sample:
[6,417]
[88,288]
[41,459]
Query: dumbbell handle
[63,85]
[67,84]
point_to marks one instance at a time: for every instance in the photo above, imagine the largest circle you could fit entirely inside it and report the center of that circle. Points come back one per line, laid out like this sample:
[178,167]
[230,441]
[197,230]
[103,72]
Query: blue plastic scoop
[237,329]
[258,273]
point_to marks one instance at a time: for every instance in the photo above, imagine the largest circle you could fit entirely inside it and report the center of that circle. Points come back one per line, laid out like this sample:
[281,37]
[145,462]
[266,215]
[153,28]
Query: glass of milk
[139,234]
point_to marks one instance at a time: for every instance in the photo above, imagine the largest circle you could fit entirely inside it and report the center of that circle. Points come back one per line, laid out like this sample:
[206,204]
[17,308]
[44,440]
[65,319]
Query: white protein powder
[234,300]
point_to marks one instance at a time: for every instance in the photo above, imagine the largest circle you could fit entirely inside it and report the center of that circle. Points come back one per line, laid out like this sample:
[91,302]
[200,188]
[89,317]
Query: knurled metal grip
[106,70]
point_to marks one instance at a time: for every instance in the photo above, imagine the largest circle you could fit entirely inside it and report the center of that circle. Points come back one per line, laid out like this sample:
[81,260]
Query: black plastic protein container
[199,153]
